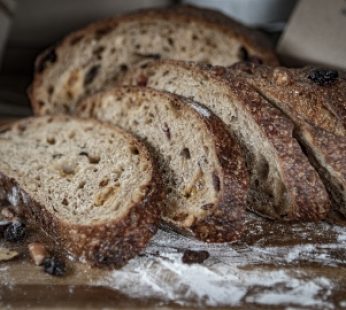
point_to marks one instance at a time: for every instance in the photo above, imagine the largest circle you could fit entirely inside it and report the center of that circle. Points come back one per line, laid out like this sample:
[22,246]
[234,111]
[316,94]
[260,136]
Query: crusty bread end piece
[91,187]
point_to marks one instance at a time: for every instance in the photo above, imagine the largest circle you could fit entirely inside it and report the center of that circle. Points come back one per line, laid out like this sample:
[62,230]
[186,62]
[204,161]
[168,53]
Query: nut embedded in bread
[81,182]
[95,56]
[202,165]
[283,184]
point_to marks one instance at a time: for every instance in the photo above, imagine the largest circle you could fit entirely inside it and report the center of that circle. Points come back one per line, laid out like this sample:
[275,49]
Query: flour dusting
[231,276]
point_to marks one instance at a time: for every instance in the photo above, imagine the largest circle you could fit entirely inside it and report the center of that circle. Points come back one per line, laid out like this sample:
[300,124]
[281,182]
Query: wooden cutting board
[274,266]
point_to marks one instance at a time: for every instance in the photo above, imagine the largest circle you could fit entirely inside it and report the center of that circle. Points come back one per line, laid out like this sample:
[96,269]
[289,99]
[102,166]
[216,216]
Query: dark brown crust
[112,243]
[224,224]
[327,153]
[318,112]
[257,45]
[225,219]
[309,199]
[298,96]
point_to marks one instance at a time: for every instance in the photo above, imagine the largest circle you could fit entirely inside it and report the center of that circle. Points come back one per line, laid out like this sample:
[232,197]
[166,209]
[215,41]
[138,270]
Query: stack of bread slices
[145,120]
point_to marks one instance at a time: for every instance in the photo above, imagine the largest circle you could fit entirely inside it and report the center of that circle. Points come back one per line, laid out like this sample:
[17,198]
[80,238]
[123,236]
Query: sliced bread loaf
[202,165]
[91,187]
[97,55]
[315,100]
[283,184]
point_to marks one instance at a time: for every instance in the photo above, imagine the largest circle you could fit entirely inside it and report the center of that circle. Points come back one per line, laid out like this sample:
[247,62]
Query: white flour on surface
[286,265]
[233,274]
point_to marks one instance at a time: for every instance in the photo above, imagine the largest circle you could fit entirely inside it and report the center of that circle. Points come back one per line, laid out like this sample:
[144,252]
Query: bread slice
[283,184]
[97,55]
[91,187]
[327,153]
[202,165]
[315,100]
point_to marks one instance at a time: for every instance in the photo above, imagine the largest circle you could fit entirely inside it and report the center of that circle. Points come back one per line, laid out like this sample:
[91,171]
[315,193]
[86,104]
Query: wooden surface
[274,266]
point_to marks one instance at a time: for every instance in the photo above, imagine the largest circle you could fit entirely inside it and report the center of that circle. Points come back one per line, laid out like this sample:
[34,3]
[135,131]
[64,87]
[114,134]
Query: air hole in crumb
[194,37]
[95,170]
[81,184]
[185,152]
[50,90]
[243,54]
[55,156]
[40,103]
[187,195]
[123,67]
[98,51]
[65,202]
[170,41]
[103,183]
[134,150]
[69,94]
[233,119]
[148,121]
[166,130]
[51,140]
[66,108]
[91,74]
[94,159]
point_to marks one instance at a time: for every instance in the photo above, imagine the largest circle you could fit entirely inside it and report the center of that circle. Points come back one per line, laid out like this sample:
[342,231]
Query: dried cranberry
[15,232]
[323,77]
[54,266]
